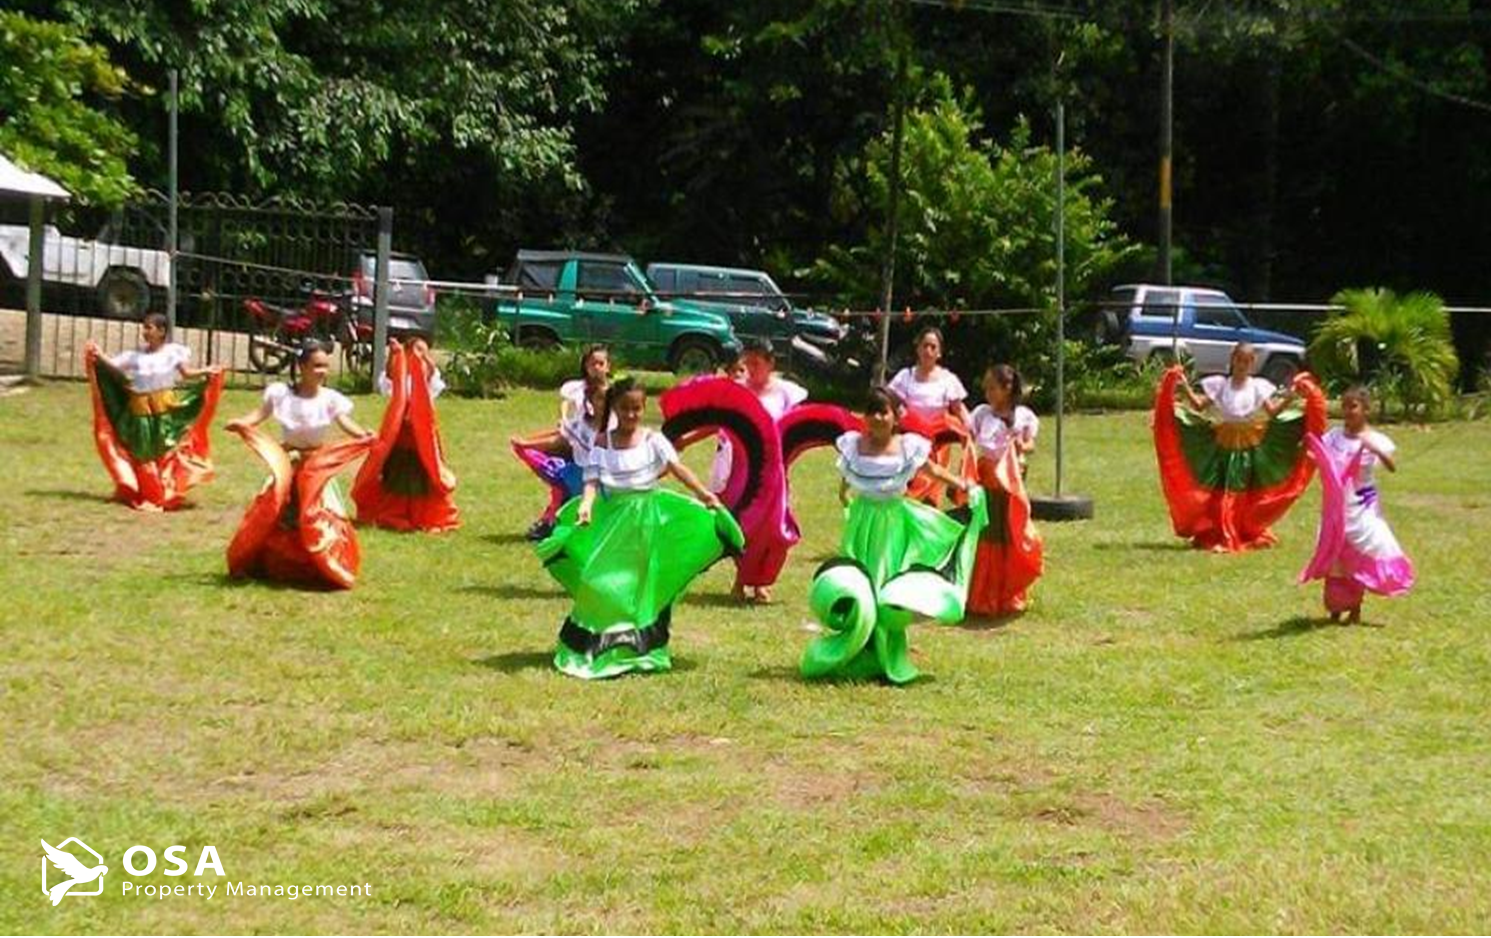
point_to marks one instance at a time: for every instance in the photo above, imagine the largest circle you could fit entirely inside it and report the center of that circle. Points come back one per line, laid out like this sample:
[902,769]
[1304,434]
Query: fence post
[172,235]
[37,256]
[1060,286]
[380,290]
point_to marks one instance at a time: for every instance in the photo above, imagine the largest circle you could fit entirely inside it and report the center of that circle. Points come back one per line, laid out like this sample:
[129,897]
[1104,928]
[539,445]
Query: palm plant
[1400,347]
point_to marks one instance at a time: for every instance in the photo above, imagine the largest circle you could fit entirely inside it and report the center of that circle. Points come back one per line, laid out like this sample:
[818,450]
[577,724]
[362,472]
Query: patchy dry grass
[1168,741]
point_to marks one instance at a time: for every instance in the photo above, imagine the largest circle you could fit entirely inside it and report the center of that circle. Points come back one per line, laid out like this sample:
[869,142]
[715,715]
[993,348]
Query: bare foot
[763,594]
[738,593]
[1355,616]
[1336,617]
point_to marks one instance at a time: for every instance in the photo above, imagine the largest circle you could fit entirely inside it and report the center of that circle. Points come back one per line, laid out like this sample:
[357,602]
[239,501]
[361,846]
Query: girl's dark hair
[614,393]
[757,346]
[881,400]
[308,347]
[1007,377]
[591,351]
[158,320]
[927,330]
[1240,347]
[1358,392]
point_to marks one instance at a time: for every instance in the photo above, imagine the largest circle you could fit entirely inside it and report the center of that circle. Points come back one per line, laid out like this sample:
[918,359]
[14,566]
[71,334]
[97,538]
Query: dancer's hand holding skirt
[945,431]
[405,483]
[1227,483]
[296,529]
[155,446]
[624,570]
[899,559]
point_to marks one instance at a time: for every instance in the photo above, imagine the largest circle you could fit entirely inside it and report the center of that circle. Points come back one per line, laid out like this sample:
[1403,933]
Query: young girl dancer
[755,571]
[1010,553]
[898,557]
[297,528]
[1355,550]
[405,483]
[549,453]
[151,433]
[627,549]
[1234,461]
[933,399]
[763,425]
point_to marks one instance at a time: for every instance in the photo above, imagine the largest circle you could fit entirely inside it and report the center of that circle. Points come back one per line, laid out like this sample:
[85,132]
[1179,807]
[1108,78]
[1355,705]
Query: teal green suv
[553,298]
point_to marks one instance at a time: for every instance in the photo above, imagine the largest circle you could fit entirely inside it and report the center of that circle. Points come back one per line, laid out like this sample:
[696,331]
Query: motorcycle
[276,332]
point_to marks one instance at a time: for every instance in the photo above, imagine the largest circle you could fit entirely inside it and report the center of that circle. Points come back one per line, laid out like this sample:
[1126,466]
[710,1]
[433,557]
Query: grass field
[1168,741]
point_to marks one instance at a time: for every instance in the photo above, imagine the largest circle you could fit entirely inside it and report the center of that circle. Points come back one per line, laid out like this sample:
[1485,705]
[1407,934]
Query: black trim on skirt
[593,644]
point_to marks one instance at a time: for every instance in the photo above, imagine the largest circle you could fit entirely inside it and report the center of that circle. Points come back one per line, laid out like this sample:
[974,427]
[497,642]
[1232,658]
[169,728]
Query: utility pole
[888,266]
[173,234]
[1167,87]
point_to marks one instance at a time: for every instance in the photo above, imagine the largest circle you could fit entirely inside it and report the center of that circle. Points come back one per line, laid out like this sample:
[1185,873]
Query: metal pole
[1167,87]
[1060,285]
[172,233]
[888,270]
[380,290]
[35,258]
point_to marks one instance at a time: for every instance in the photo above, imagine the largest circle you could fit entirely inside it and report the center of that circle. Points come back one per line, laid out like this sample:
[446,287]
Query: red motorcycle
[276,332]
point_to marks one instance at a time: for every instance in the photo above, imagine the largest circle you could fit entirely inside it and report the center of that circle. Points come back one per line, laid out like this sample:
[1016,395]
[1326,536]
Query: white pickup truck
[120,277]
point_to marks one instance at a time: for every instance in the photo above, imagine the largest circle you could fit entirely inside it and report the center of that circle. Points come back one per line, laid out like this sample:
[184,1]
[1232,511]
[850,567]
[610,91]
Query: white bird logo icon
[77,873]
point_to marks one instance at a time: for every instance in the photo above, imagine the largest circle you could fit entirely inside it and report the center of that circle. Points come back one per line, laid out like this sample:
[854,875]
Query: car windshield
[1216,310]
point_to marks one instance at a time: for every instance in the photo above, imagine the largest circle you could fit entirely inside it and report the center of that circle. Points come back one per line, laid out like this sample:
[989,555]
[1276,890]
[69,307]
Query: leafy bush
[1400,347]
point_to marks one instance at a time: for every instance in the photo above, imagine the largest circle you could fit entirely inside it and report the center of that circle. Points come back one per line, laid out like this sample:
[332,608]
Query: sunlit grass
[1168,741]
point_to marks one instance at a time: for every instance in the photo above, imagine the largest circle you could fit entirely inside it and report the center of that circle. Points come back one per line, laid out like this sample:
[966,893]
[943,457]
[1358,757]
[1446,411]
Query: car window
[1161,303]
[747,285]
[540,275]
[686,283]
[607,280]
[406,269]
[1213,310]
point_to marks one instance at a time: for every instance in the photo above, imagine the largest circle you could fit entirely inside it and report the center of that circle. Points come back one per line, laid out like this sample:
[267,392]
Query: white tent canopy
[17,181]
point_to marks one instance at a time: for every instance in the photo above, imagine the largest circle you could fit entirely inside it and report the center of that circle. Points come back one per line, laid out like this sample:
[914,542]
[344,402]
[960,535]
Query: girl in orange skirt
[1010,554]
[932,406]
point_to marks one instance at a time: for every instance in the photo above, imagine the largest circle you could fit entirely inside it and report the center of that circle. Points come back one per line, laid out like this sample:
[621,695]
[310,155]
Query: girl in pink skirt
[1355,550]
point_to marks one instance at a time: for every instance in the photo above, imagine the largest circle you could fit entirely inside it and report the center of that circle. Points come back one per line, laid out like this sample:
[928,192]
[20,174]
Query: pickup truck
[121,277]
[1161,322]
[575,298]
[758,308]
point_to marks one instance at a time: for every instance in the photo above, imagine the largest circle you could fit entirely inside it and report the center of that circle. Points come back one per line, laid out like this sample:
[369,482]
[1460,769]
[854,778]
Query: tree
[48,76]
[976,227]
[1399,346]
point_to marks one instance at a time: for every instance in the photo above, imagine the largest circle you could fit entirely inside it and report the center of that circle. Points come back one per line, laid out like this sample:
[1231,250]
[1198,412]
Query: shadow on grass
[514,662]
[1170,545]
[221,580]
[506,537]
[723,601]
[70,495]
[788,674]
[989,625]
[1289,628]
[511,591]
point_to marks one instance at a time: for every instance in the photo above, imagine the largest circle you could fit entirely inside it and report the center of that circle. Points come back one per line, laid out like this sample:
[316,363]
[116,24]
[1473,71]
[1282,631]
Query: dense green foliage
[1318,143]
[1400,347]
[51,83]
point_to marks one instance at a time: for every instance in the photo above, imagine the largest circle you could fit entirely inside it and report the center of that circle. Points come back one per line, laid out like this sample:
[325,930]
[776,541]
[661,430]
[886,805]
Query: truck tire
[123,293]
[537,340]
[692,355]
[1280,369]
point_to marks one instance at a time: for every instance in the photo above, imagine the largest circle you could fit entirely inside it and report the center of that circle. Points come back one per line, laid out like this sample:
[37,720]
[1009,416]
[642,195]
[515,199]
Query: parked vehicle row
[1163,323]
[683,317]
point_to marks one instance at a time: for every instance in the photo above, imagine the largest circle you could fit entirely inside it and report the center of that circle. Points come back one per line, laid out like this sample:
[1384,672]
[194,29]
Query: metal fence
[243,266]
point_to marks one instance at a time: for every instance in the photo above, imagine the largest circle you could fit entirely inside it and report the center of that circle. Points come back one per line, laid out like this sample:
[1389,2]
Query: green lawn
[1168,741]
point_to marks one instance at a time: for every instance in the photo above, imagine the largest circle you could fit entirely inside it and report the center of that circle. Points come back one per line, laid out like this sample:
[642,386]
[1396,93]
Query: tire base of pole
[1062,508]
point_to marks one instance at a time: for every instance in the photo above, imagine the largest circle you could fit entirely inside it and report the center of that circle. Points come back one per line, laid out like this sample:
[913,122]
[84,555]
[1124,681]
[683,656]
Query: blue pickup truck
[1163,322]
